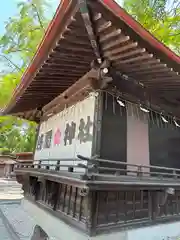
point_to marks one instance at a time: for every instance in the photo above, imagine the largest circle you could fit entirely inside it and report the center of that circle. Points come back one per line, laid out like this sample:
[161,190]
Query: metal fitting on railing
[84,191]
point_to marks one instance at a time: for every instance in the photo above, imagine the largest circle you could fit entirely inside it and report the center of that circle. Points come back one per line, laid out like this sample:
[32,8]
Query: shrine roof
[65,55]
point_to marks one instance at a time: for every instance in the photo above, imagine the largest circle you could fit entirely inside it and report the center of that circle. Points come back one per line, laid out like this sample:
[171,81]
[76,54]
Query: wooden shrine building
[105,94]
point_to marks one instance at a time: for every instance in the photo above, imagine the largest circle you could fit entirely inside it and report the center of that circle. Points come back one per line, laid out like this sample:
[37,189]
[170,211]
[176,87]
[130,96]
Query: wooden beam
[72,92]
[121,49]
[127,54]
[115,43]
[136,59]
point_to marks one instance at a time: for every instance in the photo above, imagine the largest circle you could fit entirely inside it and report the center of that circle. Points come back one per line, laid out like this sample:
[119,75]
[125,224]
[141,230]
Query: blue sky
[9,9]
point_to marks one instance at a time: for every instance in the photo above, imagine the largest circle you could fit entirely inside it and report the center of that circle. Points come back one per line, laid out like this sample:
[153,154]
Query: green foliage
[8,83]
[24,31]
[18,45]
[16,135]
[4,151]
[160,17]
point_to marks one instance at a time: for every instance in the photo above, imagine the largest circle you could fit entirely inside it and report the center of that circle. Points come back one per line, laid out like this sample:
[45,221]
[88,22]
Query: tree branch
[11,62]
[175,34]
[38,16]
[18,50]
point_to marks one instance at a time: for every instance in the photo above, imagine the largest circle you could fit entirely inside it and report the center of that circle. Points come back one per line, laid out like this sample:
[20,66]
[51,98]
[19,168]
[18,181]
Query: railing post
[57,168]
[174,174]
[139,171]
[70,169]
[39,165]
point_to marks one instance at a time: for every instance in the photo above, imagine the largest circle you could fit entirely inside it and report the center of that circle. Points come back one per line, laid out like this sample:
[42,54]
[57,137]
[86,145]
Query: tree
[16,135]
[8,83]
[18,45]
[160,17]
[20,41]
[24,32]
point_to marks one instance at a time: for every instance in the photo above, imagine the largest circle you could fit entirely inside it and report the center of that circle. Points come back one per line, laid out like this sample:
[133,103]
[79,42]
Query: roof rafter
[87,30]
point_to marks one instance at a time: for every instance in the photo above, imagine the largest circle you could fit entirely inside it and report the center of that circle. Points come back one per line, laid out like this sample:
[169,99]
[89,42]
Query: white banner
[67,133]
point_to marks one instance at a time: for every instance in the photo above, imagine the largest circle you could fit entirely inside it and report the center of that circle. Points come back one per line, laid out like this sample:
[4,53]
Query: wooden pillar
[137,136]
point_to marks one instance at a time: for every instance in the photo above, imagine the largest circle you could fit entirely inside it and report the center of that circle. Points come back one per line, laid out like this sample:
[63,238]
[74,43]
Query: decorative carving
[103,79]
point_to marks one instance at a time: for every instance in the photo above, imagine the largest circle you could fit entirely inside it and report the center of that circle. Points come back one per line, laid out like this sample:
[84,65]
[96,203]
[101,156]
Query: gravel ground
[4,232]
[15,222]
[21,223]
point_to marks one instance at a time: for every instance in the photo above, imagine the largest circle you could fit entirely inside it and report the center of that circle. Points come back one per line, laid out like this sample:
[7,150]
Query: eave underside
[146,67]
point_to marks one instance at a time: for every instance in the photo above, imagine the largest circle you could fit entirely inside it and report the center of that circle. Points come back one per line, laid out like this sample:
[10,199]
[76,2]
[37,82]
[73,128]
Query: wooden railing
[95,206]
[97,167]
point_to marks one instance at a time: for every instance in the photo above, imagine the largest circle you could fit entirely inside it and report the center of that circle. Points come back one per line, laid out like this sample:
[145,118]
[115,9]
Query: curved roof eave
[58,20]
